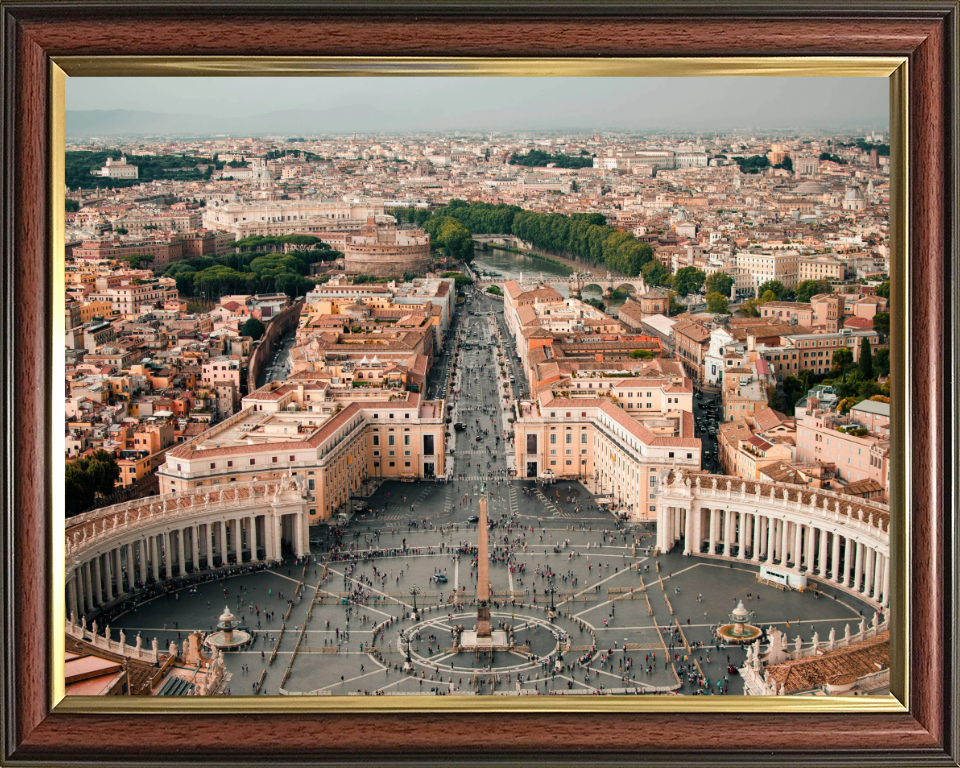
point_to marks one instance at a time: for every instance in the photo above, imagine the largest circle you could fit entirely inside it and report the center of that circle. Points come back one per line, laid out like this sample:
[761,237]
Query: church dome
[810,188]
[853,193]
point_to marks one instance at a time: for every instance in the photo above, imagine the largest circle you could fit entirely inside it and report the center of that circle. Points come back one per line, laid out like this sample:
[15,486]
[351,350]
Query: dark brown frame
[924,32]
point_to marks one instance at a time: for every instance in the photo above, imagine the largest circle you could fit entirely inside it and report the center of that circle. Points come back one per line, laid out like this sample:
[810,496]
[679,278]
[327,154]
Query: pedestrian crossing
[474,479]
[514,509]
[557,512]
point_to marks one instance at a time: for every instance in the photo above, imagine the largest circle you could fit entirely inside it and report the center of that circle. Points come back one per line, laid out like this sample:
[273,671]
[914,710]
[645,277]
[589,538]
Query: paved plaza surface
[618,608]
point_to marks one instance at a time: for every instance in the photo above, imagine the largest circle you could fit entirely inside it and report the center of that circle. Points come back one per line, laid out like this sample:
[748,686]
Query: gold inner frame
[892,67]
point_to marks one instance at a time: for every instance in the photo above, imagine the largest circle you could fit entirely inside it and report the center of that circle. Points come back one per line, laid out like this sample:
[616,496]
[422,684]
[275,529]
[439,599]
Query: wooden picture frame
[36,36]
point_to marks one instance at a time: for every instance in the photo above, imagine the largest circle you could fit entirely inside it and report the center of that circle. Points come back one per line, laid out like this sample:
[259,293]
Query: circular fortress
[380,249]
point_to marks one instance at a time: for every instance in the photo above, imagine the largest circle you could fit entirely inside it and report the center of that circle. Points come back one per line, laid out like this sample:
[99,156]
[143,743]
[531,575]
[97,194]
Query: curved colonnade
[842,540]
[113,552]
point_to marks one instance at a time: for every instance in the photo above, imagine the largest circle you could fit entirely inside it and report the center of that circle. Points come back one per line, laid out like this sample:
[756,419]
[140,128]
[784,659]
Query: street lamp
[415,590]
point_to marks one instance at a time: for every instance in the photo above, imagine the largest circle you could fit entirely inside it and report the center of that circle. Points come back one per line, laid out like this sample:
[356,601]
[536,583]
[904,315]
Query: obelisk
[483,570]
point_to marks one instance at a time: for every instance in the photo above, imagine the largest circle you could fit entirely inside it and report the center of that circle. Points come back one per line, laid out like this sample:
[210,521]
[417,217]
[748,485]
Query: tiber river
[511,264]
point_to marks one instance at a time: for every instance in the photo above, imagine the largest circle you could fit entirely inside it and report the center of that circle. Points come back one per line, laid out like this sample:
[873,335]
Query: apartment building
[762,266]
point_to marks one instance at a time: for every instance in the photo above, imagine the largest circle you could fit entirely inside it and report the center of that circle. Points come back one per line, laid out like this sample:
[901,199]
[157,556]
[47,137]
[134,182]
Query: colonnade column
[756,538]
[253,539]
[222,541]
[886,581]
[181,554]
[822,534]
[848,557]
[209,527]
[107,576]
[238,523]
[277,537]
[195,542]
[118,567]
[72,598]
[727,531]
[797,544]
[868,571]
[835,557]
[687,532]
[808,550]
[713,531]
[154,542]
[858,569]
[877,576]
[97,581]
[741,536]
[142,551]
[87,587]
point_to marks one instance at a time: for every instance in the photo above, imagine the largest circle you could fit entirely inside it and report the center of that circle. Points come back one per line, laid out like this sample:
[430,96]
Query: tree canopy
[537,158]
[807,289]
[719,282]
[90,476]
[779,289]
[688,280]
[253,328]
[717,303]
[881,323]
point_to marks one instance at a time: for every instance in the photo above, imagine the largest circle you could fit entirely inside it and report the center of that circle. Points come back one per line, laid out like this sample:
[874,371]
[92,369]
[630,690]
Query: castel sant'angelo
[381,249]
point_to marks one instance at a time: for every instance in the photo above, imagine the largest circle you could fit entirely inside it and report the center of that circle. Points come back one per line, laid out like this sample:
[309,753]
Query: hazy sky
[415,103]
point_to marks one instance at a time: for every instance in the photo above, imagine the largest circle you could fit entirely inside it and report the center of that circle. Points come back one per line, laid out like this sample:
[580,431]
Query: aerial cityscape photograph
[477,386]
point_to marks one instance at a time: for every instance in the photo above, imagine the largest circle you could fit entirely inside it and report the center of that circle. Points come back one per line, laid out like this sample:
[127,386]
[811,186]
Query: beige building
[285,217]
[597,440]
[762,266]
[332,439]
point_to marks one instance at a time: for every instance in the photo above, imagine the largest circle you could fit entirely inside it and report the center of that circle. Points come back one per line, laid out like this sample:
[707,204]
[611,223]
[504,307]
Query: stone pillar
[209,527]
[808,551]
[155,556]
[728,533]
[195,545]
[118,567]
[886,582]
[868,555]
[713,530]
[848,556]
[756,538]
[253,539]
[797,545]
[741,536]
[301,536]
[687,533]
[822,534]
[181,554]
[71,596]
[277,537]
[97,581]
[238,528]
[697,529]
[877,575]
[87,588]
[167,555]
[144,557]
[858,568]
[108,575]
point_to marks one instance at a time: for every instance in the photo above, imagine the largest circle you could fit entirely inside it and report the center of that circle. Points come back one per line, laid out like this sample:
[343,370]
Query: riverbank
[535,255]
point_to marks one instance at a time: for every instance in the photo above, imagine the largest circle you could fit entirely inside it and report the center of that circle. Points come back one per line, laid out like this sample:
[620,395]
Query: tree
[717,304]
[778,288]
[120,230]
[881,323]
[136,260]
[88,477]
[807,289]
[494,290]
[773,399]
[842,358]
[768,296]
[72,206]
[865,363]
[883,290]
[881,362]
[641,354]
[253,328]
[719,282]
[596,304]
[750,308]
[688,280]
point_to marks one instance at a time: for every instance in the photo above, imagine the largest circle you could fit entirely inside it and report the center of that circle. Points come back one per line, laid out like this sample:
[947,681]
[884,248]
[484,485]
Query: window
[213,465]
[670,454]
[583,438]
[253,461]
[406,439]
[391,440]
[393,463]
[553,439]
[376,439]
[274,459]
[569,438]
[293,458]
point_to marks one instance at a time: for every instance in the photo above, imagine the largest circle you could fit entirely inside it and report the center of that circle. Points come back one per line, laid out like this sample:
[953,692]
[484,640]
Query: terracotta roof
[836,666]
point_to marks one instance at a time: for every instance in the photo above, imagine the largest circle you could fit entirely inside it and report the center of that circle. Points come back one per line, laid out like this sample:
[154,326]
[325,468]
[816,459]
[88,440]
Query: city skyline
[107,106]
